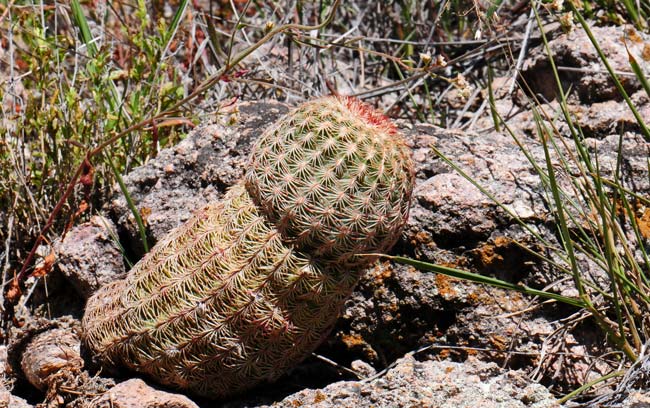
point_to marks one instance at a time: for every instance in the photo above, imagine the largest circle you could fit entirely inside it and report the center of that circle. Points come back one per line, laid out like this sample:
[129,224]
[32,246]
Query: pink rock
[89,256]
[7,400]
[135,393]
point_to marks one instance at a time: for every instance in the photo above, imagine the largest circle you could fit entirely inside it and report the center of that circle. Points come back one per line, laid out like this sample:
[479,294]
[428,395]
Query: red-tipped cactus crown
[335,177]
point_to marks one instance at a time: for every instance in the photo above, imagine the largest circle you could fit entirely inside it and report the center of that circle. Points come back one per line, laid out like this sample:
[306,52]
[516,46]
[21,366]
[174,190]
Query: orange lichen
[643,221]
[645,54]
[423,238]
[381,272]
[445,286]
[353,340]
[319,397]
[490,255]
[632,35]
[499,342]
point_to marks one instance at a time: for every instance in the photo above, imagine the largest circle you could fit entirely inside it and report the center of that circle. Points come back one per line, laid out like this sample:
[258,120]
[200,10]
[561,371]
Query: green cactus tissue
[250,285]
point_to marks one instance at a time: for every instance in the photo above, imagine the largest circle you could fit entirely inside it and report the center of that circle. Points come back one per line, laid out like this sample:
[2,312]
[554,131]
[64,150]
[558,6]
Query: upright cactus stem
[335,178]
[249,286]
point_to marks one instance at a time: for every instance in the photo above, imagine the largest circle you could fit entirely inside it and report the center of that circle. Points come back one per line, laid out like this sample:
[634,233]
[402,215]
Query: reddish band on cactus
[369,114]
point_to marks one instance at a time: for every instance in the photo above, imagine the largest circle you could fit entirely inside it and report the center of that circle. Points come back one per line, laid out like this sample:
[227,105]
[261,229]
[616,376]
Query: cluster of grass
[597,213]
[70,87]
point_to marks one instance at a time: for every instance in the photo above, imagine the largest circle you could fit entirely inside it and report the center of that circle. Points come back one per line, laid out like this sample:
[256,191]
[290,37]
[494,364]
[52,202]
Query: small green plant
[74,94]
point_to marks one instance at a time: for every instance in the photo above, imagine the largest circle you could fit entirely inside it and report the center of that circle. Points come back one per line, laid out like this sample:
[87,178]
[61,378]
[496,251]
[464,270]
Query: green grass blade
[590,384]
[173,27]
[493,110]
[129,201]
[84,29]
[638,71]
[560,215]
[612,74]
[116,241]
[477,278]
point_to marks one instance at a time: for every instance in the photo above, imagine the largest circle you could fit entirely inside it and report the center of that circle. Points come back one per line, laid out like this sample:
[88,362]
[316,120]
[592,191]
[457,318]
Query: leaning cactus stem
[249,286]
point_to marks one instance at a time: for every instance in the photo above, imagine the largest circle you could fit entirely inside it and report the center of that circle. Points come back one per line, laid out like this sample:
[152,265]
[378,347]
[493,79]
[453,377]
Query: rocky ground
[406,338]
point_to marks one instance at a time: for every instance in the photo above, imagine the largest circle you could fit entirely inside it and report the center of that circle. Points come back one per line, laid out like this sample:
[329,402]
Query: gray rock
[89,255]
[631,391]
[135,393]
[610,117]
[8,400]
[183,178]
[439,384]
[580,66]
[637,399]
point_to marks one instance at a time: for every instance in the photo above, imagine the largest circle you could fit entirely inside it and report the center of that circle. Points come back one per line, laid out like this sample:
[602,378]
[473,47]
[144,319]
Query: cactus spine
[249,286]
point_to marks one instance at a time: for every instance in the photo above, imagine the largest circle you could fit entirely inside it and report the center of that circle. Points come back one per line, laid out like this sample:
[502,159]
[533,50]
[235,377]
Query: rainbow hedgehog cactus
[249,286]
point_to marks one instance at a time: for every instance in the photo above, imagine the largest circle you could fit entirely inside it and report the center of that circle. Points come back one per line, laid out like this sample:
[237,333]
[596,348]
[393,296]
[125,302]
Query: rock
[439,384]
[637,399]
[581,68]
[3,360]
[89,255]
[7,400]
[631,391]
[362,368]
[48,354]
[183,178]
[135,393]
[611,117]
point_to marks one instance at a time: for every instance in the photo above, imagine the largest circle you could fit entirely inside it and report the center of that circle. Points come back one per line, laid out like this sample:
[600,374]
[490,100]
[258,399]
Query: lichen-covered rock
[439,384]
[89,255]
[248,287]
[136,393]
[581,69]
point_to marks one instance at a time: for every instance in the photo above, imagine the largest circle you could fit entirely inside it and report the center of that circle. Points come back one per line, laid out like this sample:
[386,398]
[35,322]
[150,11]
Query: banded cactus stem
[248,287]
[335,178]
[219,308]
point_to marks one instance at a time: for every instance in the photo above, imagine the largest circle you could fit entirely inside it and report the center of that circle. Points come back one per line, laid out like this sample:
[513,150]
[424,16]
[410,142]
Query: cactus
[335,179]
[249,286]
